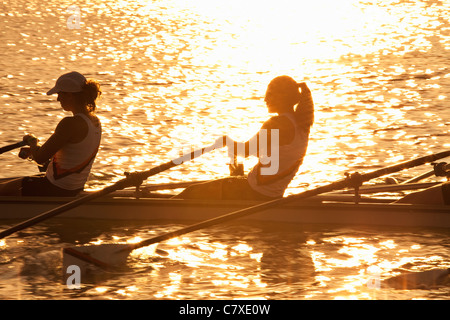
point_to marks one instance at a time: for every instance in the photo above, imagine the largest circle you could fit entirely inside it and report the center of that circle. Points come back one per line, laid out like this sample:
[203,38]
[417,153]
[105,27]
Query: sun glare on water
[178,74]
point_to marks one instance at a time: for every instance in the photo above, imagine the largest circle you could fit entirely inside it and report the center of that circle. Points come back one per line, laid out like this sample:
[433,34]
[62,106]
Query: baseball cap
[68,82]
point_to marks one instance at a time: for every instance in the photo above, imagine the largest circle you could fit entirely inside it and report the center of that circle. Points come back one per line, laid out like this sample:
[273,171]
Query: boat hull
[302,212]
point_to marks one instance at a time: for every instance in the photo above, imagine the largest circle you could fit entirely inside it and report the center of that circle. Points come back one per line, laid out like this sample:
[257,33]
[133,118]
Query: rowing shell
[318,210]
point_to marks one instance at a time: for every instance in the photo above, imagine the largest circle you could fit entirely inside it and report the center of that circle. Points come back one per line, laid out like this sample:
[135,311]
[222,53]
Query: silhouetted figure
[71,149]
[280,145]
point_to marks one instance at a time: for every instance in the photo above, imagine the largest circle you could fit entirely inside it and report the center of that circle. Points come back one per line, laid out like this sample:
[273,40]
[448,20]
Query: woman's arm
[65,131]
[273,131]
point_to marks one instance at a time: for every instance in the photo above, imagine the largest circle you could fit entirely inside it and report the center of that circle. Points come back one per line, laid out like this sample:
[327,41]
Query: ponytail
[290,94]
[304,111]
[91,92]
[88,96]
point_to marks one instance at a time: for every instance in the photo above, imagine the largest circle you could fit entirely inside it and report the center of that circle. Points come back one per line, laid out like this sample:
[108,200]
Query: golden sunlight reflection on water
[337,264]
[178,83]
[177,73]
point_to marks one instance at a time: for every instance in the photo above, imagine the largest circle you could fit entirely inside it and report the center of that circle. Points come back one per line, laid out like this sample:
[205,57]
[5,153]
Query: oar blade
[89,259]
[86,264]
[420,279]
[98,255]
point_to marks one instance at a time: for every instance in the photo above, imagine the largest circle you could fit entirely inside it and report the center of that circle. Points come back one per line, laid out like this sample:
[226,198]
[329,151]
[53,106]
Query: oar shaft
[355,179]
[175,162]
[352,180]
[391,187]
[418,178]
[240,213]
[174,185]
[12,146]
[54,212]
[406,165]
[131,180]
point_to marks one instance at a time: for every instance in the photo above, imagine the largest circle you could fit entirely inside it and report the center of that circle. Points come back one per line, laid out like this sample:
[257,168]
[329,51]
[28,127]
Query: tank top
[70,166]
[290,157]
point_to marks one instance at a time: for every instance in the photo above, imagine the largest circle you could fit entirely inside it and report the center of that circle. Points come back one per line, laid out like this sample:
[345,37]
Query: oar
[146,190]
[419,279]
[391,187]
[131,179]
[354,180]
[170,185]
[420,177]
[12,146]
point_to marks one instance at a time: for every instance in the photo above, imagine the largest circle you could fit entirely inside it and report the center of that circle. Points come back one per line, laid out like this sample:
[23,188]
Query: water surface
[178,74]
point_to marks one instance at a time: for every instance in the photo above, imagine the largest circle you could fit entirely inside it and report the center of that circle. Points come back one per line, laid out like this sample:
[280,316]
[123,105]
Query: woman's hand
[29,152]
[25,153]
[30,140]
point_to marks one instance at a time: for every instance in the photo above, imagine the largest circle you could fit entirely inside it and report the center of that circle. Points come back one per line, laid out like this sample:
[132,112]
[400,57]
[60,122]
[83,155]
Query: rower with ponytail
[287,132]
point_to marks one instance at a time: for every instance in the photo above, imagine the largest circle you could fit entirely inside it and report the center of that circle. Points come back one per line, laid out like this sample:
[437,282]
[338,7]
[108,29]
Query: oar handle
[352,180]
[12,146]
